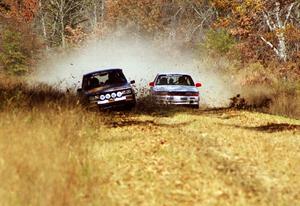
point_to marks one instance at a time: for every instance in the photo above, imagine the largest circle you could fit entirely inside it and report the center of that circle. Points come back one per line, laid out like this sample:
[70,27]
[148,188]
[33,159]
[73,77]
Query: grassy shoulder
[67,156]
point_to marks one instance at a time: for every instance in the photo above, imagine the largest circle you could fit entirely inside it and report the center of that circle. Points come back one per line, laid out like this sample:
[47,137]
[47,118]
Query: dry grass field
[60,154]
[57,156]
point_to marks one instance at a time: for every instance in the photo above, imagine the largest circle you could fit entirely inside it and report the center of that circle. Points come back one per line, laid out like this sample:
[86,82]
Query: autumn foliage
[18,42]
[250,30]
[23,11]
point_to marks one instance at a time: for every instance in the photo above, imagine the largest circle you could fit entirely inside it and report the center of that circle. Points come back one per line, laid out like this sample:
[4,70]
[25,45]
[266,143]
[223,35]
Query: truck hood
[109,88]
[174,88]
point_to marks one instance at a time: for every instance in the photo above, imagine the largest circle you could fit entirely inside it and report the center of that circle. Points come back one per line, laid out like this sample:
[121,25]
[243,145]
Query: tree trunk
[62,25]
[45,35]
[102,9]
[282,53]
[95,11]
[278,26]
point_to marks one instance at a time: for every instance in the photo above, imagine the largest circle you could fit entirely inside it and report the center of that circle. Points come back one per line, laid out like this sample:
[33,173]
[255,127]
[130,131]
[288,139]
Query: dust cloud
[140,60]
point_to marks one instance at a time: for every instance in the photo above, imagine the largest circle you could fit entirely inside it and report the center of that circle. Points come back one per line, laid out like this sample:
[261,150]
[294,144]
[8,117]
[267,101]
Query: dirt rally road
[215,157]
[192,157]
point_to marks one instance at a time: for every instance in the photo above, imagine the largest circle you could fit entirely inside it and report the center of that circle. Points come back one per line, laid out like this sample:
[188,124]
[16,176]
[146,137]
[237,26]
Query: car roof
[175,73]
[103,70]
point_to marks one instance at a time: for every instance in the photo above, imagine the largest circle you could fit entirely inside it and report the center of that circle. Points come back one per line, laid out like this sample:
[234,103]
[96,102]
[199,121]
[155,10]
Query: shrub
[219,40]
[13,58]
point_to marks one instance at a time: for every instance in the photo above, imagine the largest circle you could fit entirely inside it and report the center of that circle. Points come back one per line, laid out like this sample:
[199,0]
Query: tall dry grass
[270,90]
[46,139]
[45,157]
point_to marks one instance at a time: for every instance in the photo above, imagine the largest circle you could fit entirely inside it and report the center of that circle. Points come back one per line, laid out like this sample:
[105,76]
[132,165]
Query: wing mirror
[151,84]
[198,84]
[132,82]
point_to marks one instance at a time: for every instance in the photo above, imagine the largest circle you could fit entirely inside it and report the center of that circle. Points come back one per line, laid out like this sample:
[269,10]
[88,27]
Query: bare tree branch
[289,13]
[277,14]
[269,22]
[270,45]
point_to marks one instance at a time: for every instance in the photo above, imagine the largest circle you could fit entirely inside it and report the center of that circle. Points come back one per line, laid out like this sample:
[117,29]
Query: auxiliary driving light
[119,94]
[113,95]
[107,96]
[102,97]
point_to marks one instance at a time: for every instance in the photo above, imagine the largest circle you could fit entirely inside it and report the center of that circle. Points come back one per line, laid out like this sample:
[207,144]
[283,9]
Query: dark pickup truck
[107,89]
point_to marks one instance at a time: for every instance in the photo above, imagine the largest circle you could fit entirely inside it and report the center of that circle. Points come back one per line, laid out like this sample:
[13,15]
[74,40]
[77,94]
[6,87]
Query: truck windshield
[100,79]
[175,79]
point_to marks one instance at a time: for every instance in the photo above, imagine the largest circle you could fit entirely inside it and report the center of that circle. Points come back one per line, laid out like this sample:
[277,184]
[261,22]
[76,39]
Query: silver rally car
[175,89]
[106,89]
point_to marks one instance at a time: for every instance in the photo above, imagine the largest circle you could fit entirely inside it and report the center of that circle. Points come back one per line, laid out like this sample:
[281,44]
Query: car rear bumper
[177,100]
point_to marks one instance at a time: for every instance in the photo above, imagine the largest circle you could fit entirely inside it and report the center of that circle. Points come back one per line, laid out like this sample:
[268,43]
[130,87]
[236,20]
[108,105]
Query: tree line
[262,30]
